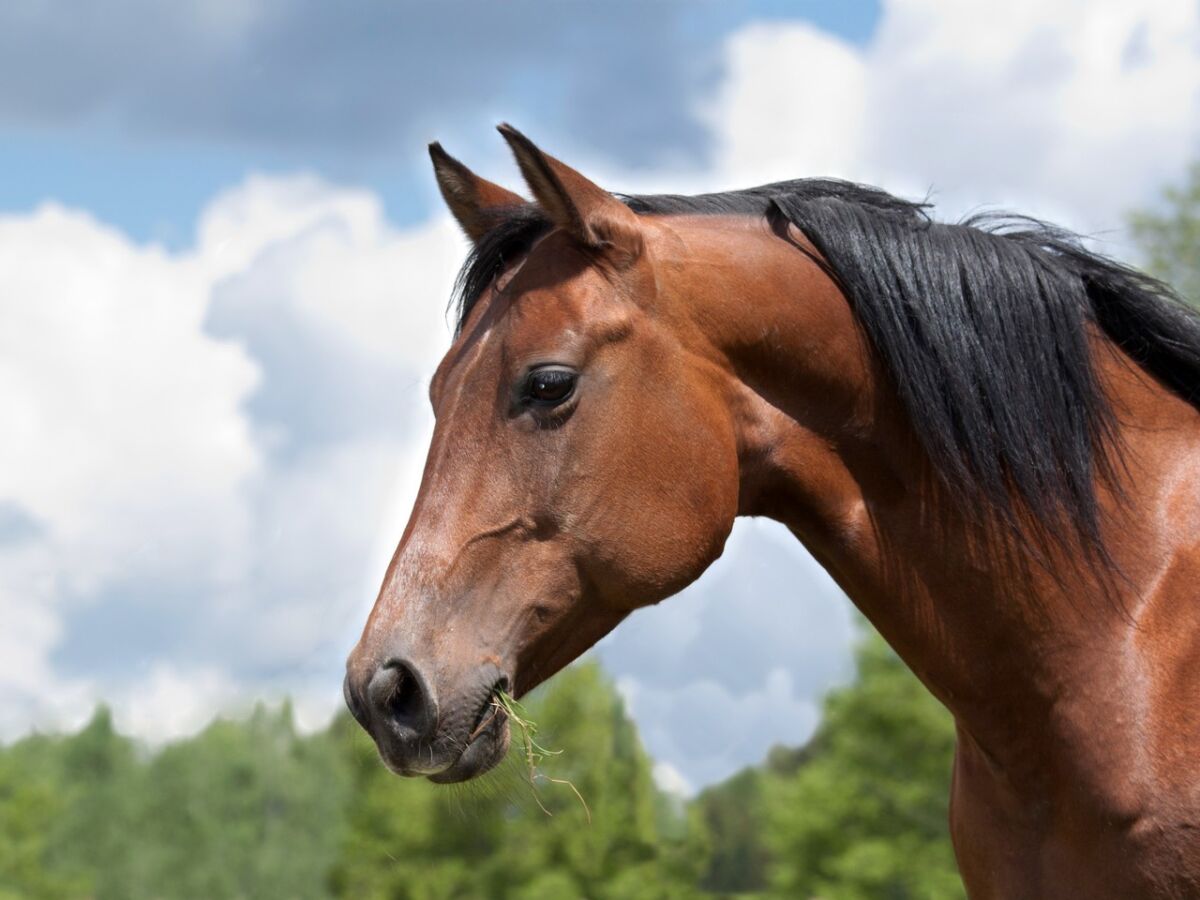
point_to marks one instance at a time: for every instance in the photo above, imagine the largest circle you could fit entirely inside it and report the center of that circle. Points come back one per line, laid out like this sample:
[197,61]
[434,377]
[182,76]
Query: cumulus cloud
[125,444]
[166,534]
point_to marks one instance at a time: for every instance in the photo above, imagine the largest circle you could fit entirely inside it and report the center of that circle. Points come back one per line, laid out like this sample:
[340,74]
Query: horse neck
[827,450]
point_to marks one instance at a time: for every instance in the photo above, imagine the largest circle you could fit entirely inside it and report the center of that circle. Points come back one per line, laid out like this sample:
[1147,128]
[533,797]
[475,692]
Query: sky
[224,270]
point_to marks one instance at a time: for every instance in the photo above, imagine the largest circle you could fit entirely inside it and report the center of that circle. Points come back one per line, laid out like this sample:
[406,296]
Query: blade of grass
[535,753]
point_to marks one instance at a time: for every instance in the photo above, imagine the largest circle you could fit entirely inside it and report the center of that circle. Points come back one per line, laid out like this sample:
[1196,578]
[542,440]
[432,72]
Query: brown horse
[986,433]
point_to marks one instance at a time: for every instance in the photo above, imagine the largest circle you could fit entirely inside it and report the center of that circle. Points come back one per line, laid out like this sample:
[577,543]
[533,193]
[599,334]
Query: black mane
[982,327]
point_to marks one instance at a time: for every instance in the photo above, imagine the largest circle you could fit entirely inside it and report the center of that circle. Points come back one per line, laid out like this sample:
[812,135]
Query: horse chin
[483,753]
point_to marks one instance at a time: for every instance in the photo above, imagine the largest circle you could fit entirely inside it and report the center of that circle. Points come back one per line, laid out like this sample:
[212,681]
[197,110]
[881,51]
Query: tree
[733,813]
[32,801]
[92,838]
[864,813]
[1169,236]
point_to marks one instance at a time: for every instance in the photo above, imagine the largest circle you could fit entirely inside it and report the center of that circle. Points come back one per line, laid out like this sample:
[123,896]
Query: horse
[986,432]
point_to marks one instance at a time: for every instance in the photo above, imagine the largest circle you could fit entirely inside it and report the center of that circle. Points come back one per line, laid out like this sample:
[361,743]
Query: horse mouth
[486,743]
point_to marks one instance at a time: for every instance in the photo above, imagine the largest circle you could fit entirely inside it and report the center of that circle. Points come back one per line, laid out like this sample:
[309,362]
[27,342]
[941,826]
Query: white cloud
[335,261]
[170,556]
[669,779]
[170,703]
[124,438]
[794,104]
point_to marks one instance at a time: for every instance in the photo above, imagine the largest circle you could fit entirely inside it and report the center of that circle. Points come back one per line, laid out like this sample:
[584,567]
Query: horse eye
[549,385]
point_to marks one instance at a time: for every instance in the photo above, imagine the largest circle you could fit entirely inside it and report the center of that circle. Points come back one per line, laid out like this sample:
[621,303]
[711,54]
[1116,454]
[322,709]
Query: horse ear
[593,215]
[476,203]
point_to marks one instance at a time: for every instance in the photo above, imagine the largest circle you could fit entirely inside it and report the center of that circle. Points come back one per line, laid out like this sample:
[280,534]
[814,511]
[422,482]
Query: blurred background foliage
[252,809]
[1168,235]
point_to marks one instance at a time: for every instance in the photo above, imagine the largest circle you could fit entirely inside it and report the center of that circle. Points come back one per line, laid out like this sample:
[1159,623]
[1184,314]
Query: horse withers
[988,435]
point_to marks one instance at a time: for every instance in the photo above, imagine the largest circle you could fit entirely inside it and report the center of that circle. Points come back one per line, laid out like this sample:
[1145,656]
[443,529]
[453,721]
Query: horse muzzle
[398,705]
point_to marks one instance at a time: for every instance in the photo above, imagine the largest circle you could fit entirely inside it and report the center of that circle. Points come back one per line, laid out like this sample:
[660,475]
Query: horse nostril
[404,704]
[398,695]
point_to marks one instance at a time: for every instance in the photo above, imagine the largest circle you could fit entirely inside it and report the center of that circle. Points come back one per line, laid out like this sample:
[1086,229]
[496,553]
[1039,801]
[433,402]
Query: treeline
[252,809]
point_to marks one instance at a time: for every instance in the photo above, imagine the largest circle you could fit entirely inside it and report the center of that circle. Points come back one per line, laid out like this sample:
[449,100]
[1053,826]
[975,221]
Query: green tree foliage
[1169,236]
[246,809]
[98,771]
[864,814]
[32,802]
[733,815]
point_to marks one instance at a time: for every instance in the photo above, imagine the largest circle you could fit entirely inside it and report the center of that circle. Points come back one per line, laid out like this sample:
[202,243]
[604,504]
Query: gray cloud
[619,77]
[16,524]
[316,388]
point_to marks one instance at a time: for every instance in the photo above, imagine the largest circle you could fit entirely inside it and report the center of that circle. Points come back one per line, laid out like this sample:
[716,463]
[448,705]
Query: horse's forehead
[531,311]
[550,288]
[539,317]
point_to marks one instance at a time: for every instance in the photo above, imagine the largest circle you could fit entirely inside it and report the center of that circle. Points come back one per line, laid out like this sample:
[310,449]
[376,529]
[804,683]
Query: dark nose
[396,707]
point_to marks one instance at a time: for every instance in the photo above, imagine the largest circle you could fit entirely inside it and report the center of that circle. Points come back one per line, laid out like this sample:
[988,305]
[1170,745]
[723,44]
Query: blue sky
[224,269]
